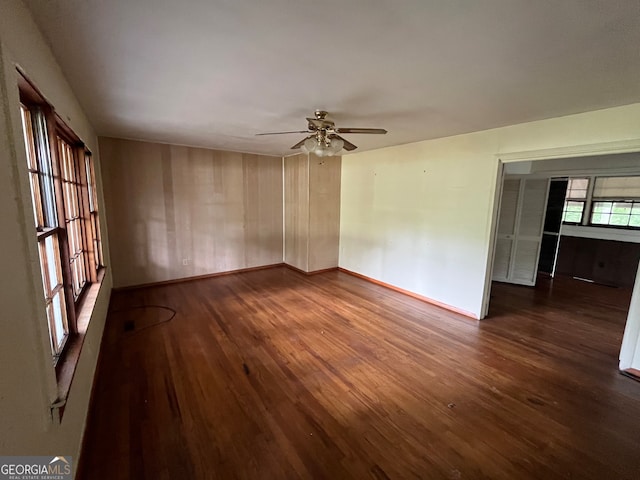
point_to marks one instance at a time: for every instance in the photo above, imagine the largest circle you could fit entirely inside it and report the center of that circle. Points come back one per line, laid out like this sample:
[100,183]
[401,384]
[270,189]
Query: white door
[506,229]
[520,228]
[630,351]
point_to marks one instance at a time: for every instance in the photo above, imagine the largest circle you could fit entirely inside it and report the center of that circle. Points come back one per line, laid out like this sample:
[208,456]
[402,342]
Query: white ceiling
[215,72]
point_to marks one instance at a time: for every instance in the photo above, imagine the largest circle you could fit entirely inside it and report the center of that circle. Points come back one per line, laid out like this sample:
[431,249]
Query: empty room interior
[364,239]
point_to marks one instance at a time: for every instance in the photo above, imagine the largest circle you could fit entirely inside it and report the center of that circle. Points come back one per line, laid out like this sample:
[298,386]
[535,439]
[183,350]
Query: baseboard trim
[409,293]
[197,277]
[631,373]
[417,296]
[315,272]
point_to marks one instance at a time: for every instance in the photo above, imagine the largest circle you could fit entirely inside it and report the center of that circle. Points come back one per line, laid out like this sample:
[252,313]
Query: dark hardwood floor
[274,374]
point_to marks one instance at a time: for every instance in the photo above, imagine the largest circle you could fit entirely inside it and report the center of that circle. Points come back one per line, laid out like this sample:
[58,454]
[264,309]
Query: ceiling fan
[324,140]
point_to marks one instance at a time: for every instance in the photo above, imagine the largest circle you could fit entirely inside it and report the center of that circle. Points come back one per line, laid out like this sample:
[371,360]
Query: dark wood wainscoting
[607,262]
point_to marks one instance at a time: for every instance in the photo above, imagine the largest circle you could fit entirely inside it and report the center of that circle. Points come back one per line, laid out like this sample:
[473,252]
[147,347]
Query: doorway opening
[568,225]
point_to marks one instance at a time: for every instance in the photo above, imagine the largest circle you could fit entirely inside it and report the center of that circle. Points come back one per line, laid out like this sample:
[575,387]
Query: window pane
[77,236]
[76,280]
[32,164]
[601,213]
[635,221]
[573,212]
[27,130]
[74,274]
[95,228]
[621,207]
[66,190]
[87,172]
[52,329]
[53,260]
[50,264]
[36,199]
[577,188]
[572,217]
[46,286]
[602,207]
[617,187]
[71,238]
[600,218]
[619,220]
[41,144]
[579,183]
[59,319]
[575,207]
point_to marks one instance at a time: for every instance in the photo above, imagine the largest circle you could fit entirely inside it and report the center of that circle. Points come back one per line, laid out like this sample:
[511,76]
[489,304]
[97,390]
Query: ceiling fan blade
[348,146]
[282,133]
[299,144]
[361,130]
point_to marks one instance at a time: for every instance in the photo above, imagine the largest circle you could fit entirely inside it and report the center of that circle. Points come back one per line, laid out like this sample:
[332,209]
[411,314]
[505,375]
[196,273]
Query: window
[65,208]
[616,202]
[73,218]
[575,200]
[617,214]
[45,213]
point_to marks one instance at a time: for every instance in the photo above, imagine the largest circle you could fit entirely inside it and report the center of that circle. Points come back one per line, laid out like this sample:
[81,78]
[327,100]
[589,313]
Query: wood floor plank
[275,374]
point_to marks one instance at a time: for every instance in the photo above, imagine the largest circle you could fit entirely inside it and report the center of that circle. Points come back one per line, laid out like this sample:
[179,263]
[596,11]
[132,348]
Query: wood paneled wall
[324,212]
[312,211]
[604,261]
[176,212]
[296,213]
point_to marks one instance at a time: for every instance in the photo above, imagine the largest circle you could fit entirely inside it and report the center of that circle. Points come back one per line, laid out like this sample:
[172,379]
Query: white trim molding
[607,148]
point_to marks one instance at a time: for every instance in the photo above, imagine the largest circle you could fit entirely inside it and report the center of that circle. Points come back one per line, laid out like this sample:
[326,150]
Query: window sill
[602,233]
[66,368]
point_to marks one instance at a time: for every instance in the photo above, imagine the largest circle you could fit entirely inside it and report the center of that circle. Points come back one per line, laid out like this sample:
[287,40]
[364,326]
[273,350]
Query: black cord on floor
[140,307]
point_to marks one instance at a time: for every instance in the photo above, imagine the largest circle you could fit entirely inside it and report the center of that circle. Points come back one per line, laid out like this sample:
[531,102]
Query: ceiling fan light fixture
[336,145]
[322,151]
[322,147]
[310,145]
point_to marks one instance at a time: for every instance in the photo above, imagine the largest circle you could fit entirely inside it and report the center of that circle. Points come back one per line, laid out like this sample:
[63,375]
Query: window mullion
[588,206]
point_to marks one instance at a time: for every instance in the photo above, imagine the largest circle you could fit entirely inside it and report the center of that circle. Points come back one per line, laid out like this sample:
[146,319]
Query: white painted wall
[27,378]
[418,216]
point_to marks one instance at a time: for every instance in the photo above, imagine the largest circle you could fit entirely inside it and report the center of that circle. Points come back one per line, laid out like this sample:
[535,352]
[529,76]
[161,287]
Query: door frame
[579,151]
